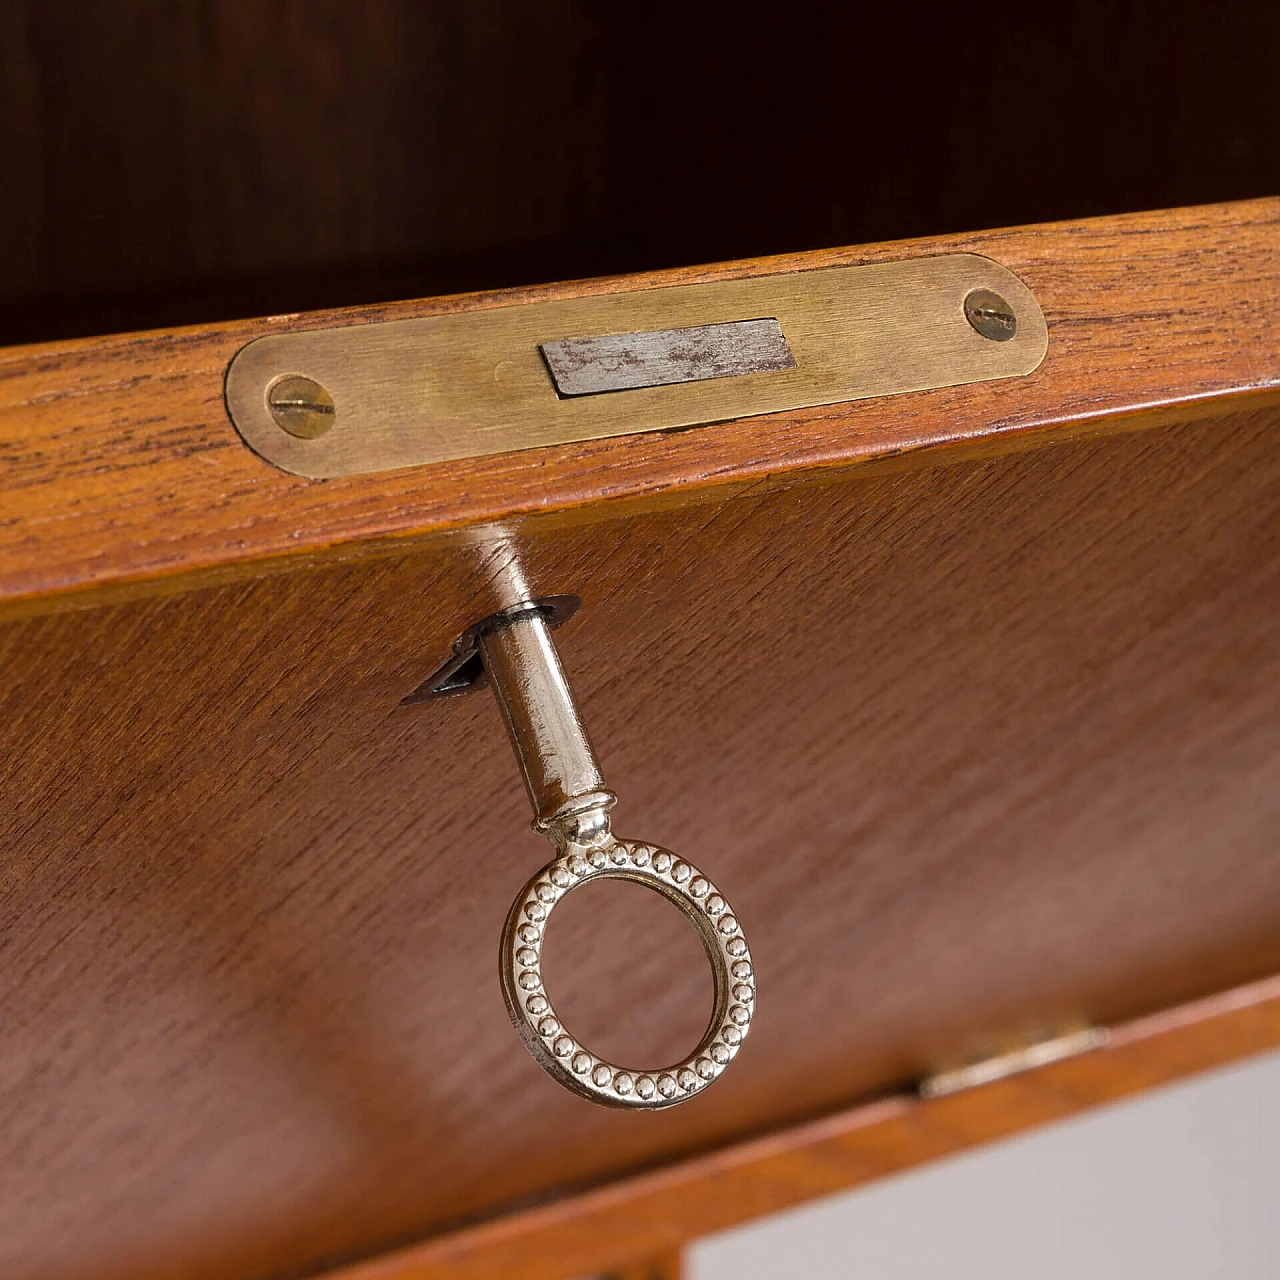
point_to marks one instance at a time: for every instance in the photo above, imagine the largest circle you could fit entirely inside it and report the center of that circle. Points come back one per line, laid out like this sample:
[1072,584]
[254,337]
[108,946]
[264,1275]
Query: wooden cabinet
[971,696]
[968,697]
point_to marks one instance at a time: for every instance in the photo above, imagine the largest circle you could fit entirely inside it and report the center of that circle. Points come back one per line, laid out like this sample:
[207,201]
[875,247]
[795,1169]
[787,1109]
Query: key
[572,806]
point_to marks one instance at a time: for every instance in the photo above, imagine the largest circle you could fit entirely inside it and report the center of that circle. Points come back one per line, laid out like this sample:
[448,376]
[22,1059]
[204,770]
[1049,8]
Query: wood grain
[122,467]
[972,748]
[850,1148]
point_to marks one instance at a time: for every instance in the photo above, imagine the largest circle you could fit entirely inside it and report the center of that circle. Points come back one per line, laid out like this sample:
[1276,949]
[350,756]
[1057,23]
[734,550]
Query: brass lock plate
[365,398]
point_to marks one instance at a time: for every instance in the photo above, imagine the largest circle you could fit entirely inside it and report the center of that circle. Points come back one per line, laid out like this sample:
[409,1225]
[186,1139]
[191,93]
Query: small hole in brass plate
[614,362]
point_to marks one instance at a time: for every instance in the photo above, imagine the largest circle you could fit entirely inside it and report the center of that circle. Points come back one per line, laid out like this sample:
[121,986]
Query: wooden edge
[121,468]
[653,1214]
[866,463]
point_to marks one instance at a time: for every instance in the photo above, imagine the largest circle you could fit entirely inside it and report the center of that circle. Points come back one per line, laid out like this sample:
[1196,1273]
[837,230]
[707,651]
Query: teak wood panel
[971,747]
[974,747]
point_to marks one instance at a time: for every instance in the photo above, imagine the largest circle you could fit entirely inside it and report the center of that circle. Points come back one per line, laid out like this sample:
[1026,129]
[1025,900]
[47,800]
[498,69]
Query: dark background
[172,161]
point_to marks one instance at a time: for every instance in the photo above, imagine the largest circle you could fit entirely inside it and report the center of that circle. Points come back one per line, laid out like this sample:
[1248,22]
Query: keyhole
[627,974]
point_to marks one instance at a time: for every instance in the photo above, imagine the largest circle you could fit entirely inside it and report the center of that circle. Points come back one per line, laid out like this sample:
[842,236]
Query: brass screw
[300,406]
[990,315]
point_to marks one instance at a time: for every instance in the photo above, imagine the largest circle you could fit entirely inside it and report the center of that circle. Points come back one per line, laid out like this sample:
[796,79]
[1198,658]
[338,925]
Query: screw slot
[990,315]
[300,406]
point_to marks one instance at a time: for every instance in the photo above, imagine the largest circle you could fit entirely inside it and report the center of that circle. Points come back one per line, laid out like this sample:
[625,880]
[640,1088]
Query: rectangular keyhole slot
[661,357]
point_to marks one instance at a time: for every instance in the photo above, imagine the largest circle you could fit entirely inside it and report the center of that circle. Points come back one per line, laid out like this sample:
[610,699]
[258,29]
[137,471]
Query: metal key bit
[571,808]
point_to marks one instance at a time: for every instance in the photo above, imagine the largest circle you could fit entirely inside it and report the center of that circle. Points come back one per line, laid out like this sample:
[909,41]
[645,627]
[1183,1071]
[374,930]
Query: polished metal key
[571,808]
